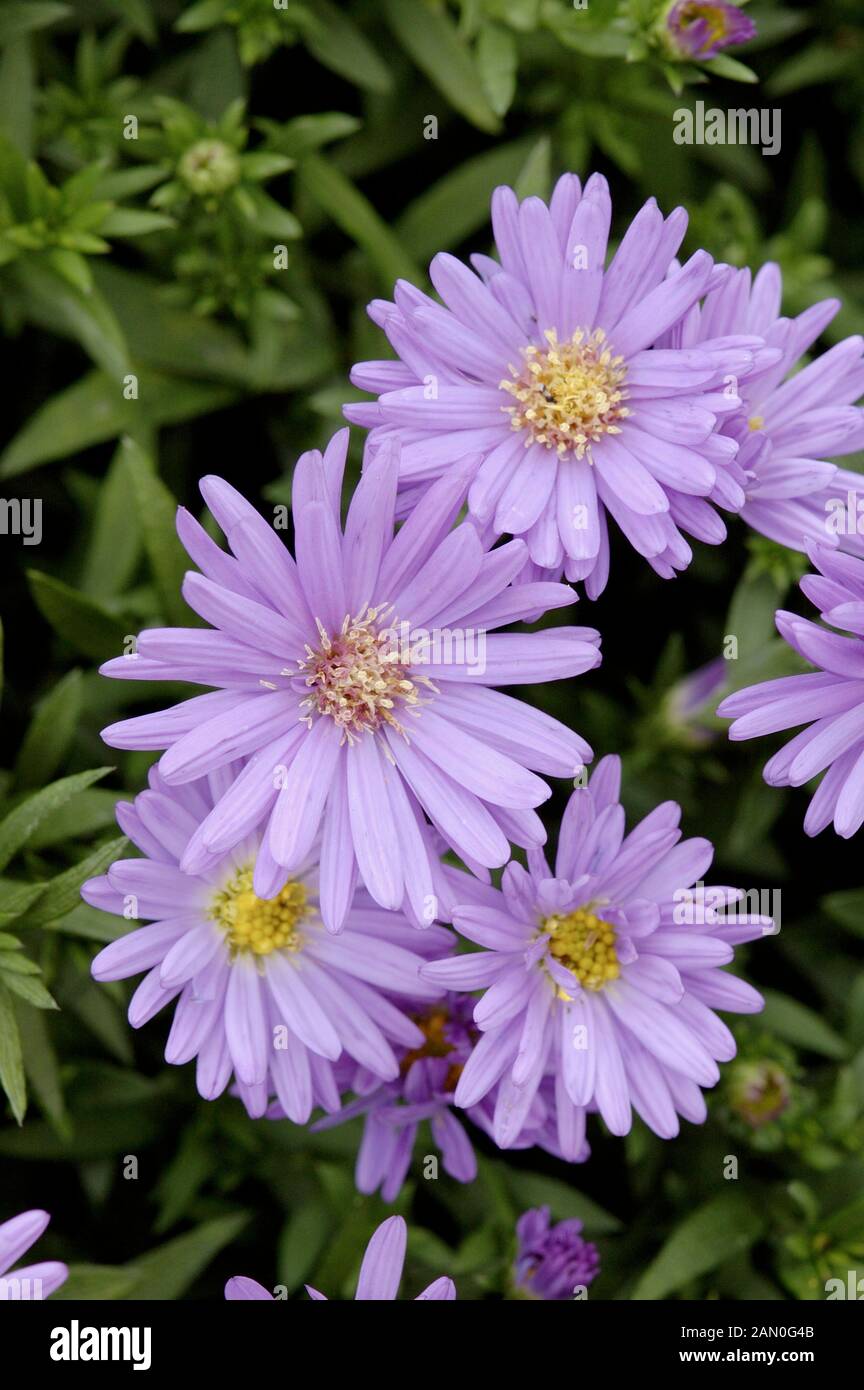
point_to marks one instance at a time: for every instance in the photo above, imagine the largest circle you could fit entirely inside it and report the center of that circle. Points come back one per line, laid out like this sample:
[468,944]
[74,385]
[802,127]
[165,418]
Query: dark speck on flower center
[567,395]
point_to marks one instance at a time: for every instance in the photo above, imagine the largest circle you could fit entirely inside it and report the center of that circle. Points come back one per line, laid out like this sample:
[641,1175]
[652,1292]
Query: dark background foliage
[148,338]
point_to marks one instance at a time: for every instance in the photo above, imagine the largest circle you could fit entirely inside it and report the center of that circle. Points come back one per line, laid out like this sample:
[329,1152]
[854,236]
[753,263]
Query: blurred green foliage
[196,203]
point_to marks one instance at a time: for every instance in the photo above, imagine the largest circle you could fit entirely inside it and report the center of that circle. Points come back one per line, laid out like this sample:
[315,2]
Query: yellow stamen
[585,945]
[568,395]
[756,422]
[356,678]
[260,925]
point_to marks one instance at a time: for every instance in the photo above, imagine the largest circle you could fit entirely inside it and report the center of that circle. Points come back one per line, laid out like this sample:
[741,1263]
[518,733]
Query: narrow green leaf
[358,219]
[19,824]
[76,313]
[50,732]
[338,43]
[80,819]
[301,1242]
[63,892]
[167,1272]
[497,59]
[79,620]
[16,898]
[800,1025]
[157,511]
[97,1283]
[23,16]
[11,1058]
[709,1236]
[458,204]
[535,177]
[432,40]
[94,410]
[564,1201]
[41,1066]
[115,540]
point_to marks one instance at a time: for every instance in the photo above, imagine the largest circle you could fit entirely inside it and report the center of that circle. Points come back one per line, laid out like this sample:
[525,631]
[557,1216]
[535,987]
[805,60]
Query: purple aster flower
[604,975]
[791,420]
[428,1075]
[241,1289]
[33,1282]
[552,1262]
[545,366]
[380,1273]
[701,29]
[829,701]
[355,683]
[381,1270]
[262,989]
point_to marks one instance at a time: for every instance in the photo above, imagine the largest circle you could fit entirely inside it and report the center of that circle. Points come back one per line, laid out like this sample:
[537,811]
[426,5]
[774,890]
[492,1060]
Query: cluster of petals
[608,422]
[829,701]
[323,722]
[603,976]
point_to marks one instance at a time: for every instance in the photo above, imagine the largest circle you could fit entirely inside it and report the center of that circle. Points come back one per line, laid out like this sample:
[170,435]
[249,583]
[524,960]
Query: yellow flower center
[756,422]
[260,925]
[568,395]
[432,1025]
[356,677]
[714,17]
[585,945]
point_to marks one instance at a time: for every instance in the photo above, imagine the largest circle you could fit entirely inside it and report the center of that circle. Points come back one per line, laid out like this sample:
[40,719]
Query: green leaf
[17,92]
[432,41]
[564,1201]
[847,909]
[28,988]
[751,614]
[709,1236]
[184,1177]
[95,1007]
[167,1272]
[358,219]
[497,59]
[304,134]
[799,1025]
[115,540]
[41,1067]
[91,924]
[167,338]
[19,824]
[102,1283]
[16,898]
[457,206]
[82,817]
[50,732]
[535,176]
[134,222]
[11,1058]
[94,410]
[79,620]
[77,313]
[338,43]
[63,892]
[731,68]
[157,511]
[23,16]
[301,1242]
